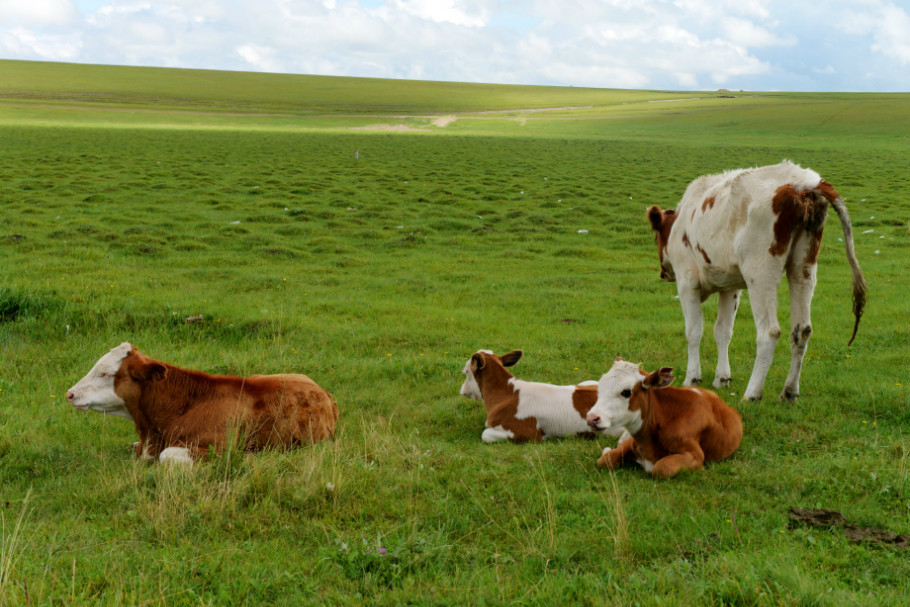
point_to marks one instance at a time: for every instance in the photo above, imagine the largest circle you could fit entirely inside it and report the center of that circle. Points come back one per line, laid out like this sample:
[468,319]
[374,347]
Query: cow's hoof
[692,382]
[788,395]
[722,382]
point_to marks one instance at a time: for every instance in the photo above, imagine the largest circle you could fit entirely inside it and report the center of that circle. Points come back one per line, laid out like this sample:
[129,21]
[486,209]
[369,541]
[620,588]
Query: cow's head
[622,397]
[662,223]
[478,364]
[113,379]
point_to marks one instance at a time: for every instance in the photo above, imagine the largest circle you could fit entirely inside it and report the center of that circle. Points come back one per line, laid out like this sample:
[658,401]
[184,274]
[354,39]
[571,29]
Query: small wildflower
[382,551]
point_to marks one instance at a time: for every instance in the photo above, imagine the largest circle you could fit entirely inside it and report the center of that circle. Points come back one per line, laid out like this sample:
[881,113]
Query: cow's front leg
[691,457]
[614,458]
[727,306]
[141,452]
[494,435]
[690,300]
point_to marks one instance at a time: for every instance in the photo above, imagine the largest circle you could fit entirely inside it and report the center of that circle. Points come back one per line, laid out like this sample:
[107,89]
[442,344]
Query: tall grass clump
[14,542]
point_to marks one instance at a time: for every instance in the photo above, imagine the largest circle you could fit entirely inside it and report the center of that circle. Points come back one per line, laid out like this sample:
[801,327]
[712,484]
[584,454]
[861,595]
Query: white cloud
[886,26]
[259,57]
[747,33]
[458,12]
[754,44]
[37,13]
[892,34]
[24,44]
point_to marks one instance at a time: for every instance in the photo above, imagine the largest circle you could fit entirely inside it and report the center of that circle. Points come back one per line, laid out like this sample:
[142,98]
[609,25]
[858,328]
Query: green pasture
[132,199]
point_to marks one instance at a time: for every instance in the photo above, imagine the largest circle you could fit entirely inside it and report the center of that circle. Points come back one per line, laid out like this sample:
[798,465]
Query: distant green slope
[253,91]
[60,94]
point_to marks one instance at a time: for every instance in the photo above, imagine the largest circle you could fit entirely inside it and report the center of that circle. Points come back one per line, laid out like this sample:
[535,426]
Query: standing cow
[742,230]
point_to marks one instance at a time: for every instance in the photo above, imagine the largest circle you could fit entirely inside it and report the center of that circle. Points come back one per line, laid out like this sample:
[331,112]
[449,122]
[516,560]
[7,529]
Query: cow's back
[288,409]
[683,413]
[723,219]
[725,434]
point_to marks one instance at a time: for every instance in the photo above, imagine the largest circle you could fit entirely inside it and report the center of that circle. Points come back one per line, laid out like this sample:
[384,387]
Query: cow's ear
[509,360]
[477,362]
[620,359]
[152,371]
[661,378]
[656,217]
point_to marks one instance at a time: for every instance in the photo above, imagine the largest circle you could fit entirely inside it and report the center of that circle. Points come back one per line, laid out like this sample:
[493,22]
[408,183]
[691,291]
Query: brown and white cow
[179,413]
[744,229]
[521,410]
[672,429]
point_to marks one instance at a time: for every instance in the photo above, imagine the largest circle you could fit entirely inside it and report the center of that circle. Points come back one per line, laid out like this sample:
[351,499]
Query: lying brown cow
[672,429]
[179,413]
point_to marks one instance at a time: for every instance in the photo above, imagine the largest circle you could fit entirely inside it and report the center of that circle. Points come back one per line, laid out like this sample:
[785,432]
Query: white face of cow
[95,391]
[470,387]
[611,413]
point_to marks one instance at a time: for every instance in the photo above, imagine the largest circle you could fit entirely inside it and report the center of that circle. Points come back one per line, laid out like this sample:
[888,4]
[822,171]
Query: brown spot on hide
[703,254]
[685,240]
[501,400]
[827,190]
[797,211]
[814,246]
[707,204]
[584,398]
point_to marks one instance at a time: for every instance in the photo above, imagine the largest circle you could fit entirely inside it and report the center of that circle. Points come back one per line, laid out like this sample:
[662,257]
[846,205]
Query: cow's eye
[626,393]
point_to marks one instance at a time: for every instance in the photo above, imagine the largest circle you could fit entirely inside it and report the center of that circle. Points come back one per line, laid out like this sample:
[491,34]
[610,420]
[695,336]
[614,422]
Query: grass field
[133,199]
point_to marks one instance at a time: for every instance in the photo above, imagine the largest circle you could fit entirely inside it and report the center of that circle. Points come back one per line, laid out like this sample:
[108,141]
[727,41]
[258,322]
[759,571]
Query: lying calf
[521,410]
[179,414]
[672,429]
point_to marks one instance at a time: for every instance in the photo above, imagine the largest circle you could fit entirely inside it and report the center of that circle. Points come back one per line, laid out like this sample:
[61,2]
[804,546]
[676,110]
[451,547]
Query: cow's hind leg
[763,297]
[802,285]
[723,333]
[690,300]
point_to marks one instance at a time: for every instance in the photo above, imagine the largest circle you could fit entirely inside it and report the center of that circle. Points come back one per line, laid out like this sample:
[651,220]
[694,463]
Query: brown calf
[180,413]
[672,429]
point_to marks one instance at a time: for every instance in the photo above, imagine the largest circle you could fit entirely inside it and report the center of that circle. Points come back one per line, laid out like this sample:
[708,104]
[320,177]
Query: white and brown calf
[744,229]
[522,411]
[180,413]
[672,429]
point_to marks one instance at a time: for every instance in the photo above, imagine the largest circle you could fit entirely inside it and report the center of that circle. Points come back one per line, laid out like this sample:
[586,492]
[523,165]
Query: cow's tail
[859,282]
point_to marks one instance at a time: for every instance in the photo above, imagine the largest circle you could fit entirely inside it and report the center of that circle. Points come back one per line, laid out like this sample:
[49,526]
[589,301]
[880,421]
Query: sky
[759,45]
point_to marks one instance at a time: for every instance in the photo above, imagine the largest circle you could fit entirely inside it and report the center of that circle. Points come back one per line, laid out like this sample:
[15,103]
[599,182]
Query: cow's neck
[494,386]
[159,401]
